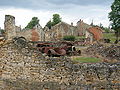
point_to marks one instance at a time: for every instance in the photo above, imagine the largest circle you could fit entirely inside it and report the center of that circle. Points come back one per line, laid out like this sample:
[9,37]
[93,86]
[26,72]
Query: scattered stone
[20,71]
[110,52]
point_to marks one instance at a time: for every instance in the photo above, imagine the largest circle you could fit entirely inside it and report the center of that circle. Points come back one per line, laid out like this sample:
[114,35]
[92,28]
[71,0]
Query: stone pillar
[9,26]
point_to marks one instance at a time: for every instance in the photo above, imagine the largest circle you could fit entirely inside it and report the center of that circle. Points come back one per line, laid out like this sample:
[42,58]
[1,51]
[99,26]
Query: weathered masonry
[9,26]
[35,34]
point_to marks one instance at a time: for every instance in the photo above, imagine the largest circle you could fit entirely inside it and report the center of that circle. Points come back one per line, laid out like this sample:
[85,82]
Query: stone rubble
[36,72]
[110,52]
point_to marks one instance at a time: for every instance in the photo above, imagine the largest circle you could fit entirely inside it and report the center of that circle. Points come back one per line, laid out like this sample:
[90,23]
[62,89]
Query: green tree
[49,24]
[107,30]
[2,31]
[55,20]
[32,23]
[114,17]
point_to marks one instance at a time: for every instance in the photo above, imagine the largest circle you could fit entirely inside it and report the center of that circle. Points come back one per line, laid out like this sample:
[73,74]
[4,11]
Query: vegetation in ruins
[114,17]
[2,31]
[87,59]
[69,38]
[55,20]
[33,22]
[110,36]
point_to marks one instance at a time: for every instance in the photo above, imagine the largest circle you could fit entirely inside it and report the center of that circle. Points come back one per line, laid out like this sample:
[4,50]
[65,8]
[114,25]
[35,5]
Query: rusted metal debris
[58,49]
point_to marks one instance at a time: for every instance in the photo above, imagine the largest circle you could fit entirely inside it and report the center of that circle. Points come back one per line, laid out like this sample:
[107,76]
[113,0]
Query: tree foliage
[32,23]
[107,30]
[49,24]
[55,20]
[114,16]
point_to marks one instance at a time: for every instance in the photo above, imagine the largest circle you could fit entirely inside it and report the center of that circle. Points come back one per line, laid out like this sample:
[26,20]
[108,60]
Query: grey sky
[51,4]
[70,10]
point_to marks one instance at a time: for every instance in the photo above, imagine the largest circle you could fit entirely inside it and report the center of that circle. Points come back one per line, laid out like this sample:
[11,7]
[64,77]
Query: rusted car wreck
[58,49]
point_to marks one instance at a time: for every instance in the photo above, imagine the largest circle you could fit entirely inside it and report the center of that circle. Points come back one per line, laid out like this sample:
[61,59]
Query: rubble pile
[110,52]
[19,71]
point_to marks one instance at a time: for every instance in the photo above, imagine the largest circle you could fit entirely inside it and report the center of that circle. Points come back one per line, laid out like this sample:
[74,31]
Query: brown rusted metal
[58,48]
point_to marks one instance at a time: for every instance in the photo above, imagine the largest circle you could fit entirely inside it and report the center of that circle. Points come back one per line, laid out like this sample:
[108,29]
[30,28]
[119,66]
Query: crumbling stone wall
[60,30]
[19,71]
[31,34]
[35,34]
[9,26]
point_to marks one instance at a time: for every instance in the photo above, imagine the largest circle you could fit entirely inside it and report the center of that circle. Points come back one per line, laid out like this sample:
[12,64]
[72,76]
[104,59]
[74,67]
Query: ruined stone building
[94,34]
[56,33]
[60,30]
[35,34]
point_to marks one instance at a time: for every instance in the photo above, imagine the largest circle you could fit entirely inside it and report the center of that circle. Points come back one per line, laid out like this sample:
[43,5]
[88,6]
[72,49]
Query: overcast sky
[69,10]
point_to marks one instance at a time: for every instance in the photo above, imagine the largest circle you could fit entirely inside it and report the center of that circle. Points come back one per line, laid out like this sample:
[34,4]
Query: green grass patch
[87,59]
[110,36]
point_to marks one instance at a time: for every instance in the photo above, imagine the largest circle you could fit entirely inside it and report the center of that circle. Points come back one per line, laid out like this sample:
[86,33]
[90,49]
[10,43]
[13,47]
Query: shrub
[69,38]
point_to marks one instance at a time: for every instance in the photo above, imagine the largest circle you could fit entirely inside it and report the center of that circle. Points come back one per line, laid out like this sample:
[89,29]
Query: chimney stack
[71,23]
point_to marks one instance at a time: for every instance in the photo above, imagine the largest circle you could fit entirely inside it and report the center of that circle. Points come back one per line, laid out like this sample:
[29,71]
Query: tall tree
[55,20]
[114,17]
[32,23]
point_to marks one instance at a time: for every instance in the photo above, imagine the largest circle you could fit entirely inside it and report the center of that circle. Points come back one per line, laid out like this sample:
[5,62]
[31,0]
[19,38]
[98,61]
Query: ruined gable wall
[81,27]
[60,30]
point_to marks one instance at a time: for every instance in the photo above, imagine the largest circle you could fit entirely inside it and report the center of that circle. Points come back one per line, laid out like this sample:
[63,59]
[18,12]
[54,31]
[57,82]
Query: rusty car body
[58,48]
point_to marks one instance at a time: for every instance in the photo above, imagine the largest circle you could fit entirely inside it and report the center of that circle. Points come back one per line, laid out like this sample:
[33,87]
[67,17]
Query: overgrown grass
[110,36]
[87,59]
